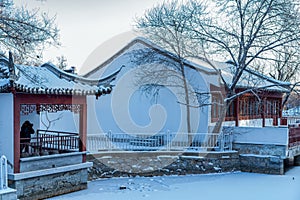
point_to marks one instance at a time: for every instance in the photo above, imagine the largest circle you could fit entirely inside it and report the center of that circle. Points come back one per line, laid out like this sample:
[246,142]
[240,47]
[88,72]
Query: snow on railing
[161,141]
[3,173]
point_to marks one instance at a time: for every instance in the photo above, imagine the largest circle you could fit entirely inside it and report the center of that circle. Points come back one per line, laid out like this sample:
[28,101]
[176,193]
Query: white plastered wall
[7,127]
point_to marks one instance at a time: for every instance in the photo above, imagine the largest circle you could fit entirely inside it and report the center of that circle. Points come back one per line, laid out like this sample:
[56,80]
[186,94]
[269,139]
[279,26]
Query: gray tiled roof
[48,79]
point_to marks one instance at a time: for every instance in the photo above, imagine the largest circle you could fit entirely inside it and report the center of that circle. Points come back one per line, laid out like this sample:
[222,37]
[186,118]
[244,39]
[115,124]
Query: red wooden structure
[294,136]
[265,103]
[42,99]
[48,89]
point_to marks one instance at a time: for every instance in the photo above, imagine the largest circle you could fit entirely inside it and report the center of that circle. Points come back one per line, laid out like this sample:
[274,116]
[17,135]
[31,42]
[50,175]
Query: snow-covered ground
[231,186]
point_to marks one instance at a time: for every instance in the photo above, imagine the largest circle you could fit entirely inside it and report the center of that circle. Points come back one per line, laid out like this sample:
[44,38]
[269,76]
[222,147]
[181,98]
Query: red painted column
[17,150]
[263,113]
[237,111]
[280,111]
[83,129]
[276,114]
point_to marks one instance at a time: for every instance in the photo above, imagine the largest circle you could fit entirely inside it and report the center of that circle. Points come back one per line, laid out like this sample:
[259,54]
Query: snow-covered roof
[250,78]
[48,79]
[148,44]
[4,75]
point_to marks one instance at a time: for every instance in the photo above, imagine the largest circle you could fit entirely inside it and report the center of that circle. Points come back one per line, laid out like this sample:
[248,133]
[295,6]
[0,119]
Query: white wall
[256,122]
[250,123]
[266,135]
[33,117]
[93,126]
[6,127]
[128,110]
[60,121]
[57,121]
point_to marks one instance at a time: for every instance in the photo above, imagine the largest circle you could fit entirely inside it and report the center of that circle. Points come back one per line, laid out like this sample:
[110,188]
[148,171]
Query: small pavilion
[28,93]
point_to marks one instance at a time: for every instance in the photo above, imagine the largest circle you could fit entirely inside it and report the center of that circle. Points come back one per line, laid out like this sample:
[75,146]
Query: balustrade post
[39,141]
[3,173]
[110,140]
[222,143]
[58,142]
[230,141]
[168,140]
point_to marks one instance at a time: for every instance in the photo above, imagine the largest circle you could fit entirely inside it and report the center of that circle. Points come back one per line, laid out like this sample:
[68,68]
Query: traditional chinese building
[54,162]
[252,124]
[259,107]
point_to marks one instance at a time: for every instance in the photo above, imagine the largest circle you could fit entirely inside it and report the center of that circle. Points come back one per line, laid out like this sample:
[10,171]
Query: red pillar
[237,111]
[83,130]
[280,110]
[263,113]
[276,114]
[17,150]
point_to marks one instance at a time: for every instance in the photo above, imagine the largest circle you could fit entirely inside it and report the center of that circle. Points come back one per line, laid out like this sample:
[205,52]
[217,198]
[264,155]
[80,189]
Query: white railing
[291,119]
[162,141]
[3,173]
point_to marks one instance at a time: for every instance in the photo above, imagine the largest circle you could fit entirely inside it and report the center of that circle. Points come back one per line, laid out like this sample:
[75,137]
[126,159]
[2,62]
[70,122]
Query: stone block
[8,194]
[50,161]
[51,182]
[162,163]
[261,164]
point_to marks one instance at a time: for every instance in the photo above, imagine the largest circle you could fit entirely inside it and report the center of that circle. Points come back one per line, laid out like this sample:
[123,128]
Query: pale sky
[85,24]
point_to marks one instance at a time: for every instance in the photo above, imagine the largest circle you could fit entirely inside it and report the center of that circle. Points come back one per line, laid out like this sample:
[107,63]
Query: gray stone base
[261,164]
[47,183]
[260,149]
[50,161]
[120,164]
[8,194]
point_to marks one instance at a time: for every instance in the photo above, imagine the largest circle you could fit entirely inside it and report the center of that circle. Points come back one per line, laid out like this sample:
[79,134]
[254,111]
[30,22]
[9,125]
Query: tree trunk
[187,101]
[218,127]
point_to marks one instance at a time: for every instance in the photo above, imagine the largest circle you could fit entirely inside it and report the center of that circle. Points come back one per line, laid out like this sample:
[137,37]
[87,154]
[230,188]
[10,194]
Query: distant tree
[242,31]
[286,67]
[28,59]
[61,62]
[293,101]
[25,32]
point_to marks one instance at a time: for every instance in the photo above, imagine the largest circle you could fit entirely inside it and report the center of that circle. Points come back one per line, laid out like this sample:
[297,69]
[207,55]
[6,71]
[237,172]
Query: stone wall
[118,164]
[261,164]
[41,187]
[261,149]
[46,176]
[50,161]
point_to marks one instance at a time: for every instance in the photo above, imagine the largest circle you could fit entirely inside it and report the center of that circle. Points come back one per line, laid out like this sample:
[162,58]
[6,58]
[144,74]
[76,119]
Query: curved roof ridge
[48,79]
[149,44]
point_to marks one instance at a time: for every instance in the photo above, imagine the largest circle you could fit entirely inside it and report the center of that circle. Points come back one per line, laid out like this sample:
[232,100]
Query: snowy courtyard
[231,186]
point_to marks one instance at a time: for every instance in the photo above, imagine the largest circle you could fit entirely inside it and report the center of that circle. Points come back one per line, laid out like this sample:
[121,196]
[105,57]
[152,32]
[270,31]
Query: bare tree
[243,32]
[26,32]
[293,101]
[47,122]
[287,65]
[166,26]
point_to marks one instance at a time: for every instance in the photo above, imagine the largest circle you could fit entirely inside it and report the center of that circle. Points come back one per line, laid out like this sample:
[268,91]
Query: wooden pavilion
[25,93]
[260,106]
